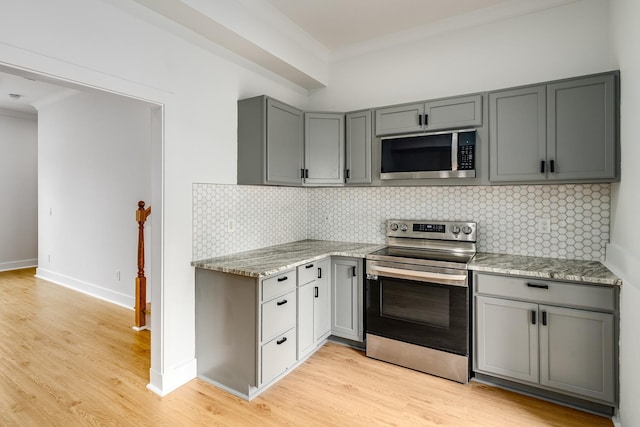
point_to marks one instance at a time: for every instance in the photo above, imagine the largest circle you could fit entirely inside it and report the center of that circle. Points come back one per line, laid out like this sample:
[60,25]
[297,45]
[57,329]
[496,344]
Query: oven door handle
[421,276]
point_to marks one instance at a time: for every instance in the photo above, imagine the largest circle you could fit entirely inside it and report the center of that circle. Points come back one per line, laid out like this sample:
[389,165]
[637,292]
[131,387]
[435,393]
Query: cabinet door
[346,295]
[324,148]
[517,134]
[577,352]
[402,119]
[305,325]
[284,143]
[454,113]
[507,338]
[322,302]
[358,161]
[581,128]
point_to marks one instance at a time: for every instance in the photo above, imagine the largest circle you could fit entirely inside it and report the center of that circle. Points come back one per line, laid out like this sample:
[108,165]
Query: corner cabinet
[347,298]
[448,113]
[358,147]
[324,149]
[270,142]
[561,131]
[556,336]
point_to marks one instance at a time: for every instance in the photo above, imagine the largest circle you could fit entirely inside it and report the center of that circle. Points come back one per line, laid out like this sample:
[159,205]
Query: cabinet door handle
[306,173]
[283,302]
[319,273]
[353,271]
[544,318]
[552,166]
[347,173]
[308,266]
[301,173]
[426,119]
[541,166]
[282,279]
[419,119]
[315,291]
[284,339]
[535,285]
[533,317]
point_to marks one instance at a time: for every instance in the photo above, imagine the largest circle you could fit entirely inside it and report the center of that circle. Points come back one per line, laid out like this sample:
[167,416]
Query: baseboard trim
[18,265]
[87,288]
[164,383]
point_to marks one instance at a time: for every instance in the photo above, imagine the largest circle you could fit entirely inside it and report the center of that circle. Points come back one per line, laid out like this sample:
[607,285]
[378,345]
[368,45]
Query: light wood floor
[67,359]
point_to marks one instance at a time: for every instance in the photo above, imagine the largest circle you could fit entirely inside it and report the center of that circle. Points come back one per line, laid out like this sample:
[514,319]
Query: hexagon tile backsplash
[507,216]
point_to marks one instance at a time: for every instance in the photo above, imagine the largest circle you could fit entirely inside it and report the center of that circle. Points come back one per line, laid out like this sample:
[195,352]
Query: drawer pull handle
[283,302]
[284,339]
[308,266]
[282,279]
[534,285]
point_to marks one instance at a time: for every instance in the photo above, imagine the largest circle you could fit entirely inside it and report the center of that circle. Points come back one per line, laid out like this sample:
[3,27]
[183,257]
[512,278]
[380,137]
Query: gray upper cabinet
[564,131]
[434,115]
[270,142]
[581,128]
[324,148]
[517,134]
[358,147]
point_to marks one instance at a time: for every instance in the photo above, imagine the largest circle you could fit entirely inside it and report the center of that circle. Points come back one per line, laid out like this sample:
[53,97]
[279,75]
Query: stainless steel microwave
[450,154]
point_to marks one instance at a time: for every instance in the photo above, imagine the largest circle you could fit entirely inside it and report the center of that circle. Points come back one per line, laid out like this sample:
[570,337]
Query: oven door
[420,305]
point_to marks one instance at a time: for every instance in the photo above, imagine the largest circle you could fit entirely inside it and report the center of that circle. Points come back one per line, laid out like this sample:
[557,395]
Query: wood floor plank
[67,359]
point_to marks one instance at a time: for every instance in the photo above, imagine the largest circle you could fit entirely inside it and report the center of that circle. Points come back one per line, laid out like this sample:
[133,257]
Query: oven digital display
[429,228]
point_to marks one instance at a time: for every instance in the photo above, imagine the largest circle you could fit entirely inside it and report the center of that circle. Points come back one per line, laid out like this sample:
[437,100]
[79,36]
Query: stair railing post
[141,280]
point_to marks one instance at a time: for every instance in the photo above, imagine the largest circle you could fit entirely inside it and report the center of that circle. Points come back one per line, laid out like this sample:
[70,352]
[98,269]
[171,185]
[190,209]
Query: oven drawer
[278,284]
[546,291]
[278,315]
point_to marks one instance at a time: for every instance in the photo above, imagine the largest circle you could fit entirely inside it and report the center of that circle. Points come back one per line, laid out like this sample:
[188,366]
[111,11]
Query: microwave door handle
[420,276]
[454,151]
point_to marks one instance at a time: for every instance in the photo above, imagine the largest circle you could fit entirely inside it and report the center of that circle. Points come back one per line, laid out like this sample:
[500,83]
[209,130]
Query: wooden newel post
[141,280]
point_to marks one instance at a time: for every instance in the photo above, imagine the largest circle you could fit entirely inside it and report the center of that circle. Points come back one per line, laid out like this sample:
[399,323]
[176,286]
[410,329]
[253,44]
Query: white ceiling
[341,23]
[341,26]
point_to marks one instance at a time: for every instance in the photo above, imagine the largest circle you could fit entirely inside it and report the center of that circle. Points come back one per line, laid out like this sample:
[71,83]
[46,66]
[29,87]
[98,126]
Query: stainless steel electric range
[417,297]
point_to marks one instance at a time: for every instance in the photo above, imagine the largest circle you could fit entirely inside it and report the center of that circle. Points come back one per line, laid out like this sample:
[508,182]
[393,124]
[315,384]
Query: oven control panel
[432,230]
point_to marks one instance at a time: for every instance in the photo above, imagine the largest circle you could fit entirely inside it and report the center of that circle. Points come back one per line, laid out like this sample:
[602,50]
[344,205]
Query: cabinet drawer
[278,285]
[547,292]
[278,355]
[308,272]
[278,315]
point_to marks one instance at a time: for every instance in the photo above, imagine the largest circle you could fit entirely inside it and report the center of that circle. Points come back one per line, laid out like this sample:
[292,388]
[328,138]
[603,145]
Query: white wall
[115,45]
[94,156]
[623,255]
[565,41]
[18,190]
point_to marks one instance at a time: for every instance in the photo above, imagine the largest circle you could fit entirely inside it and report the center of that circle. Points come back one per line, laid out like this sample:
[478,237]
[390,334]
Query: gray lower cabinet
[562,131]
[324,148]
[347,298]
[553,335]
[358,147]
[450,113]
[314,309]
[245,329]
[270,142]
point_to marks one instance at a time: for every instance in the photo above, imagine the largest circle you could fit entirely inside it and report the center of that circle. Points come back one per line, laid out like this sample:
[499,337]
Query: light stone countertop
[592,272]
[275,259]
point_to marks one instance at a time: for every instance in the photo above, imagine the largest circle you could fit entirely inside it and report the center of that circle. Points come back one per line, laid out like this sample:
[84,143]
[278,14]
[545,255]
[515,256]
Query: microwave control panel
[466,150]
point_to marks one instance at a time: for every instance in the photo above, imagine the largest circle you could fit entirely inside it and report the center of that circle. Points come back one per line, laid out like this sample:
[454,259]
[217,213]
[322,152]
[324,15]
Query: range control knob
[455,229]
[466,229]
[403,227]
[393,226]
